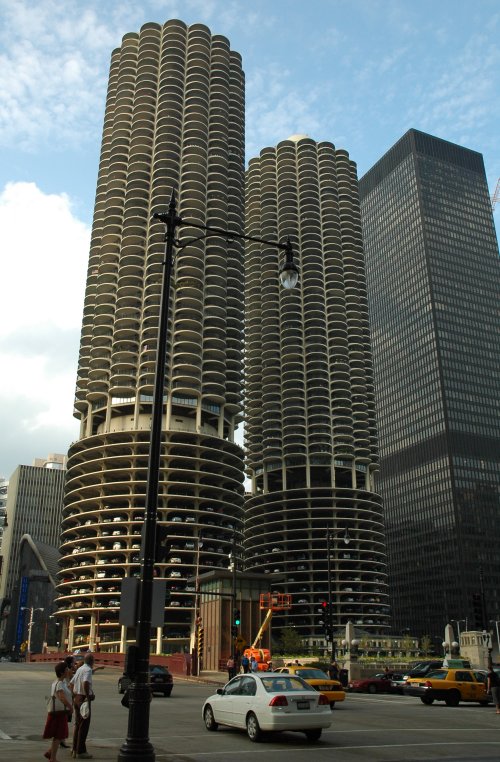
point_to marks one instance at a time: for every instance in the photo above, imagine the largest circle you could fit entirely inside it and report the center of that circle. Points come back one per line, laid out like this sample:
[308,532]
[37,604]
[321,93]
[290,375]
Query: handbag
[55,704]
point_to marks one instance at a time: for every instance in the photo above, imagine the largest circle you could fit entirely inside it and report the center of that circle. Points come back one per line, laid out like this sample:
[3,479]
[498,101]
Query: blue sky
[356,72]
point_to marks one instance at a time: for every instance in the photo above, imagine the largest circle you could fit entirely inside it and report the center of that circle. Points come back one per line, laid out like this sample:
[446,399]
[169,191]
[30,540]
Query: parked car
[449,685]
[421,668]
[160,680]
[397,683]
[319,680]
[268,702]
[378,683]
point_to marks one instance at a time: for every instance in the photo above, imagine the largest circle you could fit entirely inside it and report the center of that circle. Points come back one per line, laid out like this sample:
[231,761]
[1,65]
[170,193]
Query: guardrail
[178,664]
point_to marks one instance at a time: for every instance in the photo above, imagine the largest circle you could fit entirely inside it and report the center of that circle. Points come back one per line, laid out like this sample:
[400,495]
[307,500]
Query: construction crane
[496,196]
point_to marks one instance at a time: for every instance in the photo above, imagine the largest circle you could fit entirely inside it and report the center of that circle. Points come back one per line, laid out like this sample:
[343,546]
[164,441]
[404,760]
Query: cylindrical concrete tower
[174,120]
[310,420]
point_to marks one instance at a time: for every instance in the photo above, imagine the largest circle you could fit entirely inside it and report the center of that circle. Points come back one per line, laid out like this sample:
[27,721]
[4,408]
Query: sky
[359,73]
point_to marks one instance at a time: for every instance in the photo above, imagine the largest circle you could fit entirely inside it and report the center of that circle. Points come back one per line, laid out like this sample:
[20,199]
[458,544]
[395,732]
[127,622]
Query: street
[364,729]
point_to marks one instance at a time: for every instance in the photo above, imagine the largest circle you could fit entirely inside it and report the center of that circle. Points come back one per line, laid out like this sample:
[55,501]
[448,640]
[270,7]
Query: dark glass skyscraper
[433,278]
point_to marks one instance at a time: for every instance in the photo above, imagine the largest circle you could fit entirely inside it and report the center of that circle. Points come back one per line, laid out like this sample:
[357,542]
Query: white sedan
[263,701]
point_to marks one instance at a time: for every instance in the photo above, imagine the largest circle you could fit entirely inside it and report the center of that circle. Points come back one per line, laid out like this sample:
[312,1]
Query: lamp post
[496,623]
[329,538]
[458,622]
[45,632]
[137,747]
[32,610]
[232,569]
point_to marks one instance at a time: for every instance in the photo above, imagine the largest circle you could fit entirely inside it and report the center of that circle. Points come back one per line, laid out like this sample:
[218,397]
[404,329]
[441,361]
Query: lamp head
[289,272]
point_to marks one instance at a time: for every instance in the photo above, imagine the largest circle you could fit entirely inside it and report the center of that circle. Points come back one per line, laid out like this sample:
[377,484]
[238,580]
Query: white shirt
[82,675]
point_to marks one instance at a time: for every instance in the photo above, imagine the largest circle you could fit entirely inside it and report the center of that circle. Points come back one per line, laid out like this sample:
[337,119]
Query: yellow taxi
[450,686]
[319,680]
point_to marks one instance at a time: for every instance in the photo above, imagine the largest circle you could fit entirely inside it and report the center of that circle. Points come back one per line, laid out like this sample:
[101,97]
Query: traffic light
[477,609]
[325,620]
[236,618]
[201,636]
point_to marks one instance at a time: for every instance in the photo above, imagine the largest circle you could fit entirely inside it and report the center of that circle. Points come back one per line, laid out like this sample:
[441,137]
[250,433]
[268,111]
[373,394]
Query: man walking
[82,692]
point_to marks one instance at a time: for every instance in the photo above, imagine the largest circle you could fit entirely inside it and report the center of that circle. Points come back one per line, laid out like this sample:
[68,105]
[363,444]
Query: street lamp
[496,623]
[329,538]
[458,622]
[232,569]
[137,747]
[32,610]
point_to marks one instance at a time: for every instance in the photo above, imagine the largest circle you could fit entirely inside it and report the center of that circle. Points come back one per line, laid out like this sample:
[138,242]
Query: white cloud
[461,97]
[52,71]
[43,276]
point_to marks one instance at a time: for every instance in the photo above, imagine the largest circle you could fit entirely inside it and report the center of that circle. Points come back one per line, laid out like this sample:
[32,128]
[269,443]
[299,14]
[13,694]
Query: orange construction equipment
[271,602]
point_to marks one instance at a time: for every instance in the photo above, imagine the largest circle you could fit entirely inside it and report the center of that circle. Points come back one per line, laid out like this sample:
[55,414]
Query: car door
[467,685]
[244,700]
[224,706]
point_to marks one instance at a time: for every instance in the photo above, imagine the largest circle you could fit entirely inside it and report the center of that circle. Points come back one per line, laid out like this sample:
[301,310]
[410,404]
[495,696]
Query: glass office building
[433,278]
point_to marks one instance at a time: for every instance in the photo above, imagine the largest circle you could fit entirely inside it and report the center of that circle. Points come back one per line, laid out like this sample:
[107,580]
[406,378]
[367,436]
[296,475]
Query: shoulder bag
[54,704]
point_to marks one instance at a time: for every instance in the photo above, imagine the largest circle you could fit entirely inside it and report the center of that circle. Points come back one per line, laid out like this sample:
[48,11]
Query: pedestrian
[231,668]
[254,667]
[56,725]
[269,666]
[81,684]
[493,687]
[71,665]
[297,663]
[333,671]
[245,663]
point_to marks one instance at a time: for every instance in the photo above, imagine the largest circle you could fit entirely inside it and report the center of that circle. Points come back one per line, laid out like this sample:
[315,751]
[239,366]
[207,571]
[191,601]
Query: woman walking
[56,726]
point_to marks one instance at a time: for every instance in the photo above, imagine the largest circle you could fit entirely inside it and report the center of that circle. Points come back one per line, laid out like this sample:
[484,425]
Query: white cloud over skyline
[357,74]
[45,252]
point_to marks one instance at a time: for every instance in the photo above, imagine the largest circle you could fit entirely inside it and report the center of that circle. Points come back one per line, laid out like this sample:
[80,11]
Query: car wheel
[427,700]
[452,699]
[313,735]
[372,688]
[208,716]
[253,728]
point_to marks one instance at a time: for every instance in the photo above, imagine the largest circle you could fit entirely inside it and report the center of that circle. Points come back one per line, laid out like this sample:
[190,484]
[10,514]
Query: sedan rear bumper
[296,721]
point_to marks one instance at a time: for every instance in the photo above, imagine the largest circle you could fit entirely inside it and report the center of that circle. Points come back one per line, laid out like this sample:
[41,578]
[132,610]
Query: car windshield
[284,683]
[312,674]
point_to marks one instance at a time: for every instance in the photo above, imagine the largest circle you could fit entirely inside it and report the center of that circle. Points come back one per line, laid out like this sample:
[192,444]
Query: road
[364,729]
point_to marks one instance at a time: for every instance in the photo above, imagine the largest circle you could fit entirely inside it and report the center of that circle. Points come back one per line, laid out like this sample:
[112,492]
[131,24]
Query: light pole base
[137,747]
[136,751]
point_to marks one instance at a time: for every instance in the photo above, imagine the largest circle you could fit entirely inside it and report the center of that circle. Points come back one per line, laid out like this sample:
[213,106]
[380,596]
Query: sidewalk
[31,748]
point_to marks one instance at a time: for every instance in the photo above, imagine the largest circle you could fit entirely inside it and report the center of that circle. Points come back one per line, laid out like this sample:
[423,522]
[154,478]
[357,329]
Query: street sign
[240,642]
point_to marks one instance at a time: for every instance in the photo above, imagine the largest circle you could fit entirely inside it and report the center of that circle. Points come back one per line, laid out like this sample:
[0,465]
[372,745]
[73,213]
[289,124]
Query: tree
[407,645]
[290,641]
[425,644]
